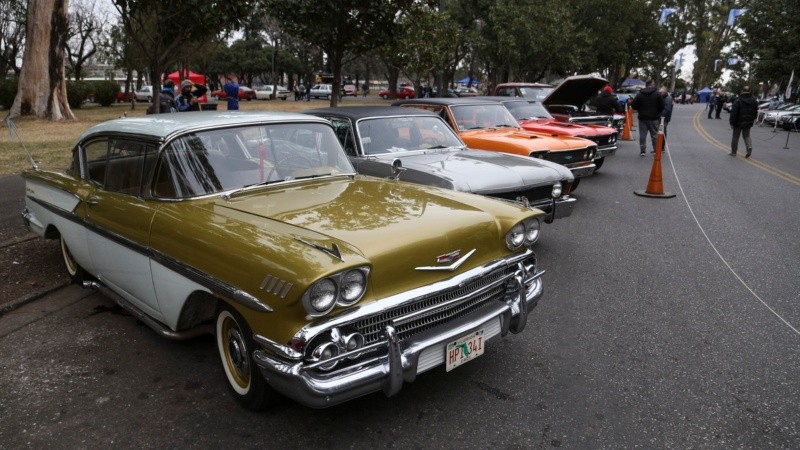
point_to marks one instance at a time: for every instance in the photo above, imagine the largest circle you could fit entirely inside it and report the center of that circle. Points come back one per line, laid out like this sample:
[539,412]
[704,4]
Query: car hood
[502,139]
[575,90]
[565,128]
[499,172]
[393,226]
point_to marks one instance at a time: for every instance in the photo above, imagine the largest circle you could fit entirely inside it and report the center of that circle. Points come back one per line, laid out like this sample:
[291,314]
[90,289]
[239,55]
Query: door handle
[91,201]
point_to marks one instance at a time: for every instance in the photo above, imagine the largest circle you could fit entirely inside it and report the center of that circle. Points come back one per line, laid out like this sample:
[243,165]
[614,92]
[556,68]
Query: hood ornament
[333,251]
[449,257]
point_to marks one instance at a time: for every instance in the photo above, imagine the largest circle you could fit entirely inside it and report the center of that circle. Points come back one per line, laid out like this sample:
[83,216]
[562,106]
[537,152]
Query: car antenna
[14,131]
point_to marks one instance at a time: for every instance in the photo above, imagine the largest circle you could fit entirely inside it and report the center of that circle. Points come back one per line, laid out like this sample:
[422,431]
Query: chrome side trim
[333,251]
[158,327]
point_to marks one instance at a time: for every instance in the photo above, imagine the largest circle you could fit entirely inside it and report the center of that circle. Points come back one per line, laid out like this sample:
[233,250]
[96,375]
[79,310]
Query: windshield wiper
[503,125]
[437,147]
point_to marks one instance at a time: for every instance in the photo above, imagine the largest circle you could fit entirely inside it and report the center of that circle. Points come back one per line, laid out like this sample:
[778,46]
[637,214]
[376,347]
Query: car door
[118,218]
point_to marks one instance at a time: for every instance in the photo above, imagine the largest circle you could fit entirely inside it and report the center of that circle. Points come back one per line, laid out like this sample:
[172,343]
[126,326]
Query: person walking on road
[743,114]
[667,112]
[648,104]
[712,102]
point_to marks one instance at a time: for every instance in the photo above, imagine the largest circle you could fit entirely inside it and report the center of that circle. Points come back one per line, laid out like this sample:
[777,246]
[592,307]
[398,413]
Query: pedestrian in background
[187,100]
[667,112]
[712,102]
[648,104]
[231,89]
[606,103]
[743,114]
[721,99]
[296,90]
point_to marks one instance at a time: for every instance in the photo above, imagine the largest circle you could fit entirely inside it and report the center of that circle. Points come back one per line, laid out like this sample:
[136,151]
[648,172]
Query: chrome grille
[567,157]
[371,327]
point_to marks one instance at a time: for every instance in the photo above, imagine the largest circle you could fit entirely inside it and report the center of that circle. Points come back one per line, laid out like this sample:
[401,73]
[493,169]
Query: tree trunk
[42,90]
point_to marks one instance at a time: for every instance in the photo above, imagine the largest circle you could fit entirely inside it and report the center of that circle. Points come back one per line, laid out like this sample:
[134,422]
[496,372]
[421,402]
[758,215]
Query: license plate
[463,349]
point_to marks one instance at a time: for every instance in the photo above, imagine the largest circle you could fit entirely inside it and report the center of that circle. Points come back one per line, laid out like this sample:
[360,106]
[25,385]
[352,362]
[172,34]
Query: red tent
[192,76]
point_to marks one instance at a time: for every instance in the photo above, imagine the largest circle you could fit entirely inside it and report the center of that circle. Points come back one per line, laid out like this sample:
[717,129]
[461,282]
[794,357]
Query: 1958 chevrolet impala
[318,283]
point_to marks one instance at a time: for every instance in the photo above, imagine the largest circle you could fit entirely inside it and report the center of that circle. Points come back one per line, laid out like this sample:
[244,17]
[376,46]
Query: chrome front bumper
[404,359]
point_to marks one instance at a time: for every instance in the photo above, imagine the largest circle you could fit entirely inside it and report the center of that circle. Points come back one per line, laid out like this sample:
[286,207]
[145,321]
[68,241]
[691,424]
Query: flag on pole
[789,86]
[733,14]
[664,14]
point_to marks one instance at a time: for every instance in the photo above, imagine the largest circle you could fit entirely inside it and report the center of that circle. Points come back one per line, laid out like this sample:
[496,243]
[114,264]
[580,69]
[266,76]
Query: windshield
[476,117]
[535,93]
[209,162]
[527,110]
[398,134]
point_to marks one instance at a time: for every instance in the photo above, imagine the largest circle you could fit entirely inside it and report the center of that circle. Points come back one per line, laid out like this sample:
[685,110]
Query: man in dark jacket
[606,103]
[649,104]
[743,114]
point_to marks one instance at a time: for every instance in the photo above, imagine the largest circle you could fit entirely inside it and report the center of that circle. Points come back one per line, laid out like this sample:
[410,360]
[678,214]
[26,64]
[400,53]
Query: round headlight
[557,189]
[322,295]
[353,342]
[613,138]
[352,286]
[516,236]
[325,352]
[532,228]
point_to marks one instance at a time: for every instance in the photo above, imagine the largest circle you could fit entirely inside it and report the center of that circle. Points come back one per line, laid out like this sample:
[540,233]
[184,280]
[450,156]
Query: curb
[17,303]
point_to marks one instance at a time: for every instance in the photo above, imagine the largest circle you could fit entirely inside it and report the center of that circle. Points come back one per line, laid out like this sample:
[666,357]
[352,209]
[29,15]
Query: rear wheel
[235,345]
[74,270]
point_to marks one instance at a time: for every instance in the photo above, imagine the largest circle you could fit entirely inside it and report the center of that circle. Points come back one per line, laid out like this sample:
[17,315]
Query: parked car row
[332,254]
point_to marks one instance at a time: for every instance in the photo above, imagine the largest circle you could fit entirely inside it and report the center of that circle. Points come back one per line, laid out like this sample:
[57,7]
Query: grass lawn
[51,143]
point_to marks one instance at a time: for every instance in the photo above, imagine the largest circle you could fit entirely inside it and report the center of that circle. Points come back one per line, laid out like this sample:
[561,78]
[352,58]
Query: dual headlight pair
[343,289]
[524,233]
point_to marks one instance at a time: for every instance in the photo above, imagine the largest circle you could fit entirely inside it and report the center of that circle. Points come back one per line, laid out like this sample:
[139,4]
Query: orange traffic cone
[629,116]
[626,129]
[655,186]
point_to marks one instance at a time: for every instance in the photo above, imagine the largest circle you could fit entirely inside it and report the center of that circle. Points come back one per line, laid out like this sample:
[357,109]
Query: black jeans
[745,132]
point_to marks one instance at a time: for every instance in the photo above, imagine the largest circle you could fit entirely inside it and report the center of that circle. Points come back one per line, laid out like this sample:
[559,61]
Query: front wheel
[235,345]
[599,163]
[385,96]
[574,185]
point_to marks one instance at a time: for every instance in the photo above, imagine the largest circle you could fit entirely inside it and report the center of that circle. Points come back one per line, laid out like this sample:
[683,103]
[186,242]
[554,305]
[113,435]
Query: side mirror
[397,169]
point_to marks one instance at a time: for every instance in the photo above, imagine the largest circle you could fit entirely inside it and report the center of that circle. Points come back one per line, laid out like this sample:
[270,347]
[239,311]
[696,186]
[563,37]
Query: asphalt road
[666,323]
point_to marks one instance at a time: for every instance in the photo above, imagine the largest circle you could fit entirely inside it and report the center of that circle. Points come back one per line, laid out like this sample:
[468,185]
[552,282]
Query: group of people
[652,105]
[187,99]
[715,103]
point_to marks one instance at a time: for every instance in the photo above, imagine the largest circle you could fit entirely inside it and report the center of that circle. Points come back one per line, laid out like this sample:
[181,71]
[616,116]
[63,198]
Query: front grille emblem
[448,258]
[454,257]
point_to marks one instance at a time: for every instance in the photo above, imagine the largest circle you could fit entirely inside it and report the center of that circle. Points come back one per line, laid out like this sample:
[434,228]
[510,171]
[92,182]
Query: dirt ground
[29,267]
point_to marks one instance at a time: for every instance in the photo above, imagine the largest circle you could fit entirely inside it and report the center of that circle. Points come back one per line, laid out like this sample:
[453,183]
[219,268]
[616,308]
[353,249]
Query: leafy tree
[164,34]
[771,41]
[338,27]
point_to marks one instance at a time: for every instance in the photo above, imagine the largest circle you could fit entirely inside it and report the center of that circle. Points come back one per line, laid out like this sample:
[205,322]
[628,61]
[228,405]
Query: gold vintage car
[318,283]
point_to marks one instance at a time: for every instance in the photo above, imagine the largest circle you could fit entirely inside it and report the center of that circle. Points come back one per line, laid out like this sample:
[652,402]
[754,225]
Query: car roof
[161,126]
[444,101]
[524,84]
[361,112]
[507,99]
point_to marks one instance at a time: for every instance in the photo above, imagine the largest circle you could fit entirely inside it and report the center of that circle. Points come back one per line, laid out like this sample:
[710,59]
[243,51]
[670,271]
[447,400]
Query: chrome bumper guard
[404,359]
[556,209]
[582,171]
[606,150]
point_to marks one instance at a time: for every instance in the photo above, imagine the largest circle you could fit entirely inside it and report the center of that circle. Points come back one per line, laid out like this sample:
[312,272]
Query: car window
[473,117]
[527,110]
[397,134]
[215,161]
[96,156]
[125,169]
[345,135]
